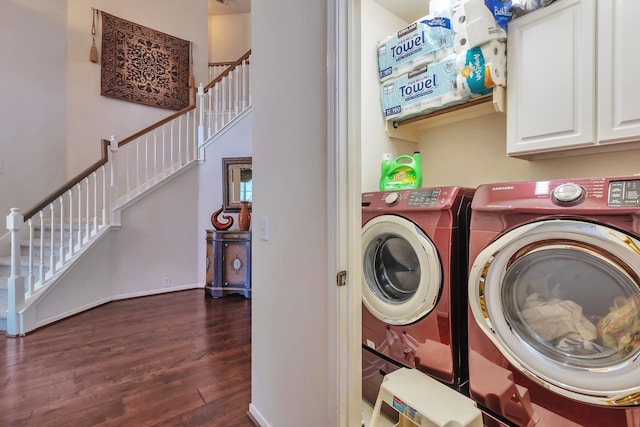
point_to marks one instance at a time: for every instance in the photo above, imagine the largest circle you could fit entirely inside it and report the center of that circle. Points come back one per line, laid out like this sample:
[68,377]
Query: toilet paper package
[481,68]
[425,40]
[422,91]
[476,22]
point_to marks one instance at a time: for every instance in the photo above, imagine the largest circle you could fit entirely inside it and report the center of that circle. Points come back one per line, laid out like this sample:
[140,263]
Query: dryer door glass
[402,273]
[395,268]
[573,304]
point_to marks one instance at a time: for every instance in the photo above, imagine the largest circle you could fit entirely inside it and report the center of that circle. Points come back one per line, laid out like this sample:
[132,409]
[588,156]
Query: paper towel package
[476,22]
[424,41]
[422,91]
[481,68]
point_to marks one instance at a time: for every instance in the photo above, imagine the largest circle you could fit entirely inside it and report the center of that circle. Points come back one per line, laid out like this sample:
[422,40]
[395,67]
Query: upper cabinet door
[618,65]
[551,81]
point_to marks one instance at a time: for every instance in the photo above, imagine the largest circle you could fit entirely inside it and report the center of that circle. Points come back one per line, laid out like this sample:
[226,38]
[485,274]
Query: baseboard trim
[257,418]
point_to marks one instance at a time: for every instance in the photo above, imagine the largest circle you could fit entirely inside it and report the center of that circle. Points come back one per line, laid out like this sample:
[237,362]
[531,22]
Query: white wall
[472,152]
[229,36]
[95,117]
[377,23]
[234,142]
[290,372]
[158,239]
[33,108]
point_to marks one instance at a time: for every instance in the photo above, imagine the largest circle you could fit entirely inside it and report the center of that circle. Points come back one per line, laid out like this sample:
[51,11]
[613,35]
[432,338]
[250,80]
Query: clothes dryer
[414,251]
[554,302]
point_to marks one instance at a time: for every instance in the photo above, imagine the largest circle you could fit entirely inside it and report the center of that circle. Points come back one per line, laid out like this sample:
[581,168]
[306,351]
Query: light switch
[264,228]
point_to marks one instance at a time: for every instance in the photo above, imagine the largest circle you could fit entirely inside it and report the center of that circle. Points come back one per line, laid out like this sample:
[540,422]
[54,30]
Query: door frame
[344,210]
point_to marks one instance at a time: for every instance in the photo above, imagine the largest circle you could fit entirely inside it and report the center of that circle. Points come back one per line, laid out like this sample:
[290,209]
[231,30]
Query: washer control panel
[427,197]
[624,193]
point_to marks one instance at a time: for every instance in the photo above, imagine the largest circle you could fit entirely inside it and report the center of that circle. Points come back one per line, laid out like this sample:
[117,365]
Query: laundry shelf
[410,129]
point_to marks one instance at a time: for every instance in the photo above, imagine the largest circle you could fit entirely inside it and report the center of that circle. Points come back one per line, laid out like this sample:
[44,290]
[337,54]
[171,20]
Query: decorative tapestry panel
[143,65]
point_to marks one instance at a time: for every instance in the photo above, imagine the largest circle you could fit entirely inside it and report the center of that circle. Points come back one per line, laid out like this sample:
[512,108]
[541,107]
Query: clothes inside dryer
[573,305]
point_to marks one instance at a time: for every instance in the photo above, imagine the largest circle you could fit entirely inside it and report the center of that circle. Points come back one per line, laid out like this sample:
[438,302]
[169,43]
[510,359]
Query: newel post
[200,115]
[16,281]
[114,194]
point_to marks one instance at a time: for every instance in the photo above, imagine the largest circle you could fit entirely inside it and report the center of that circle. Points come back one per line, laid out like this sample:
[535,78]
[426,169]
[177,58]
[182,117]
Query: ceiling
[229,7]
[407,10]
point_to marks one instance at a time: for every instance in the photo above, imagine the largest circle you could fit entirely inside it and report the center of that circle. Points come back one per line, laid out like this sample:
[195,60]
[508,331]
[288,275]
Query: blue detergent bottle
[402,173]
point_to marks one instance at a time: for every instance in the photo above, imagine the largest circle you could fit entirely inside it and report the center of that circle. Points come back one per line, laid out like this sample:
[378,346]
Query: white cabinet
[618,65]
[571,72]
[551,85]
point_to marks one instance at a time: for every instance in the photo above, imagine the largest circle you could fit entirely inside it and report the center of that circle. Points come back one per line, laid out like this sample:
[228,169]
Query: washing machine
[414,251]
[554,302]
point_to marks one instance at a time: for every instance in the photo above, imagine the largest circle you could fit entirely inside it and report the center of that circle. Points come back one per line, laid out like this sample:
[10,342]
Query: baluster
[87,216]
[244,84]
[223,96]
[52,250]
[127,171]
[249,85]
[70,196]
[30,269]
[94,229]
[230,99]
[113,147]
[62,256]
[79,219]
[41,272]
[236,71]
[216,106]
[147,164]
[104,195]
[177,137]
[136,166]
[171,150]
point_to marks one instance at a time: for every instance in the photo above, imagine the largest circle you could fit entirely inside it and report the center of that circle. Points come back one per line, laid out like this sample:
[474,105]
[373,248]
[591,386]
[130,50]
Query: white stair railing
[227,96]
[151,156]
[48,238]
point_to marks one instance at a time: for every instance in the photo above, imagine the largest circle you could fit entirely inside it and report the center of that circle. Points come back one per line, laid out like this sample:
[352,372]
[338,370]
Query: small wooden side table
[228,263]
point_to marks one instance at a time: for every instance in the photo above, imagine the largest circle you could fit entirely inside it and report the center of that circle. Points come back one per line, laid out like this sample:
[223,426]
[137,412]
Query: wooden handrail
[220,64]
[227,71]
[155,125]
[71,183]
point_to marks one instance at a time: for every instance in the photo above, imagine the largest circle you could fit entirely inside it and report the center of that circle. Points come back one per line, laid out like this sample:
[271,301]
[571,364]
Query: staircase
[46,241]
[46,250]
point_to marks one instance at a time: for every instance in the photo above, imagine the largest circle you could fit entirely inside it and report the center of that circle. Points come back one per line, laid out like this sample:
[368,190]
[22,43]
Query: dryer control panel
[624,193]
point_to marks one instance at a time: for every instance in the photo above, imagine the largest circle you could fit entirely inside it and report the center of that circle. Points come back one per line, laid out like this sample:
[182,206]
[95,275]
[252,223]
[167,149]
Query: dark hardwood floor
[176,359]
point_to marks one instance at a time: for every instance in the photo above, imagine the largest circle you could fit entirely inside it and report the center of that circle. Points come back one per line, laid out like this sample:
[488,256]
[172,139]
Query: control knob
[392,198]
[568,194]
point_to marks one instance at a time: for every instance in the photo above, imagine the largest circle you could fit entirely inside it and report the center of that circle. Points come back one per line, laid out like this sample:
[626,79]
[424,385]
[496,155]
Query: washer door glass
[401,269]
[561,300]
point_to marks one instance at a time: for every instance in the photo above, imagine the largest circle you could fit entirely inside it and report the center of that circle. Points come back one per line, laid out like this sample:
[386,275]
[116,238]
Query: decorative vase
[244,216]
[221,225]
